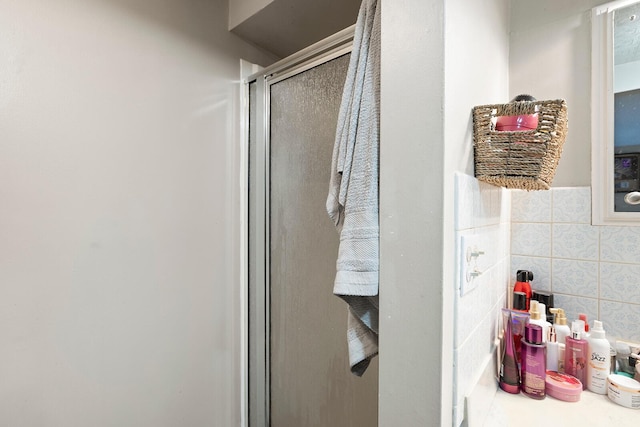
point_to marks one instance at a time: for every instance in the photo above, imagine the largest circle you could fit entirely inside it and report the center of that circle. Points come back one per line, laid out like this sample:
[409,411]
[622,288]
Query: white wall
[476,73]
[118,267]
[434,70]
[413,388]
[550,58]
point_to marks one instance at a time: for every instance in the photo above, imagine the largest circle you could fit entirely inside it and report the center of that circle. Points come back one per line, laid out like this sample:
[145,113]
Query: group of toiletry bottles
[534,348]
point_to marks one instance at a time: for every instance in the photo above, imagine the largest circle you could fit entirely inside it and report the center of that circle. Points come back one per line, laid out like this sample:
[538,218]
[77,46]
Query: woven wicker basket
[526,159]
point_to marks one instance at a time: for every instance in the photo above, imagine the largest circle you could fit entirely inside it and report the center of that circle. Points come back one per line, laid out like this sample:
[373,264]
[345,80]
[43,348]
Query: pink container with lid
[519,123]
[563,386]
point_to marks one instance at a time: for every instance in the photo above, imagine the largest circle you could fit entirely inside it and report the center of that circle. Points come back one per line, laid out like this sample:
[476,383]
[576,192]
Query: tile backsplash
[482,216]
[590,269]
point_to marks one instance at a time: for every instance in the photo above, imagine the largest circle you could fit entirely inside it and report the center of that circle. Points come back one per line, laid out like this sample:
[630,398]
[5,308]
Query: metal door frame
[257,246]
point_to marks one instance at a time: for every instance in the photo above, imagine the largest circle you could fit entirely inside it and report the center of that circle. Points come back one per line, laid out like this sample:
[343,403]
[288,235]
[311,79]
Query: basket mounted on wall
[519,159]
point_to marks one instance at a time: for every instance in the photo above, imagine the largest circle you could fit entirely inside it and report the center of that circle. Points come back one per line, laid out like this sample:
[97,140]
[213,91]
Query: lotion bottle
[576,353]
[560,324]
[599,359]
[536,319]
[534,363]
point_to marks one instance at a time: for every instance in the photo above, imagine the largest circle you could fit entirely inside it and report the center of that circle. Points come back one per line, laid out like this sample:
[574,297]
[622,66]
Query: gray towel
[353,190]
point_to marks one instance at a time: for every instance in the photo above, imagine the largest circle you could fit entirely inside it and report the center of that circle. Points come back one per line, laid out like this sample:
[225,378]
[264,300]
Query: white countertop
[592,410]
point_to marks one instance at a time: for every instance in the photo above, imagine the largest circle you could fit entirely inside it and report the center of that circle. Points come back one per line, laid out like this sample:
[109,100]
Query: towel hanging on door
[352,203]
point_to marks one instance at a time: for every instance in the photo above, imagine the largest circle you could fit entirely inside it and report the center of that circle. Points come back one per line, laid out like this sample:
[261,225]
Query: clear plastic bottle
[599,359]
[552,351]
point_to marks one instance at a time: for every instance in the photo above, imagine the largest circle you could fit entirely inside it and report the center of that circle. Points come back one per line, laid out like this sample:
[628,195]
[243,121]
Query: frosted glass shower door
[308,380]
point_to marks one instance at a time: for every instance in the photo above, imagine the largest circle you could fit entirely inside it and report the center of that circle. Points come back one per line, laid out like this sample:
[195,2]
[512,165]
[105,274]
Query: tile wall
[482,219]
[590,269]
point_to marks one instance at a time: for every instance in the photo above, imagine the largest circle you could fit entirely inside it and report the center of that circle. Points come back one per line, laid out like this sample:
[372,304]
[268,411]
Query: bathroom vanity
[592,410]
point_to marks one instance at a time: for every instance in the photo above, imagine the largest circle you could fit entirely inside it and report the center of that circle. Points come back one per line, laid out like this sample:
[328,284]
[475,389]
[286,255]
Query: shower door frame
[258,243]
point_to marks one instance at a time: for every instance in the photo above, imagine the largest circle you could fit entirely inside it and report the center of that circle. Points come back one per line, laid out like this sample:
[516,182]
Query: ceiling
[286,26]
[627,34]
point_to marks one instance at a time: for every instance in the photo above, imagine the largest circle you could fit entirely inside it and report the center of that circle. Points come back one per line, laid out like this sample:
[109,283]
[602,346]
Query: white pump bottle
[598,359]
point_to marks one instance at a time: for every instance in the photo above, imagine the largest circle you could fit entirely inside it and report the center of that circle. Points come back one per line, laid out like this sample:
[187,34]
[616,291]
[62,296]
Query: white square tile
[504,197]
[620,320]
[484,214]
[571,205]
[465,187]
[575,241]
[620,244]
[575,277]
[463,368]
[499,280]
[531,239]
[620,282]
[530,206]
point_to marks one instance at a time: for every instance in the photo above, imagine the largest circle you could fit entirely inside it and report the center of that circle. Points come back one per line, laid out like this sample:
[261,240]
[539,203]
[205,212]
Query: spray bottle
[522,284]
[599,360]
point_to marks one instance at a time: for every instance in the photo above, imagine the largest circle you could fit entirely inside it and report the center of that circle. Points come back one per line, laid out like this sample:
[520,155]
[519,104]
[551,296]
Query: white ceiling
[286,26]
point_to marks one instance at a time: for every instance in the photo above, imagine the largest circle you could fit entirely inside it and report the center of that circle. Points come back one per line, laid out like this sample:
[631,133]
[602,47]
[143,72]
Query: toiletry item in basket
[509,371]
[599,360]
[519,123]
[534,364]
[576,353]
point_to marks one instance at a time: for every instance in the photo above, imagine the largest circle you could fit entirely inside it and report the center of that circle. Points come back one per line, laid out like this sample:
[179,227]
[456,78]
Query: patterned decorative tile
[531,239]
[575,241]
[571,205]
[575,277]
[530,206]
[620,320]
[620,244]
[574,305]
[619,282]
[540,267]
